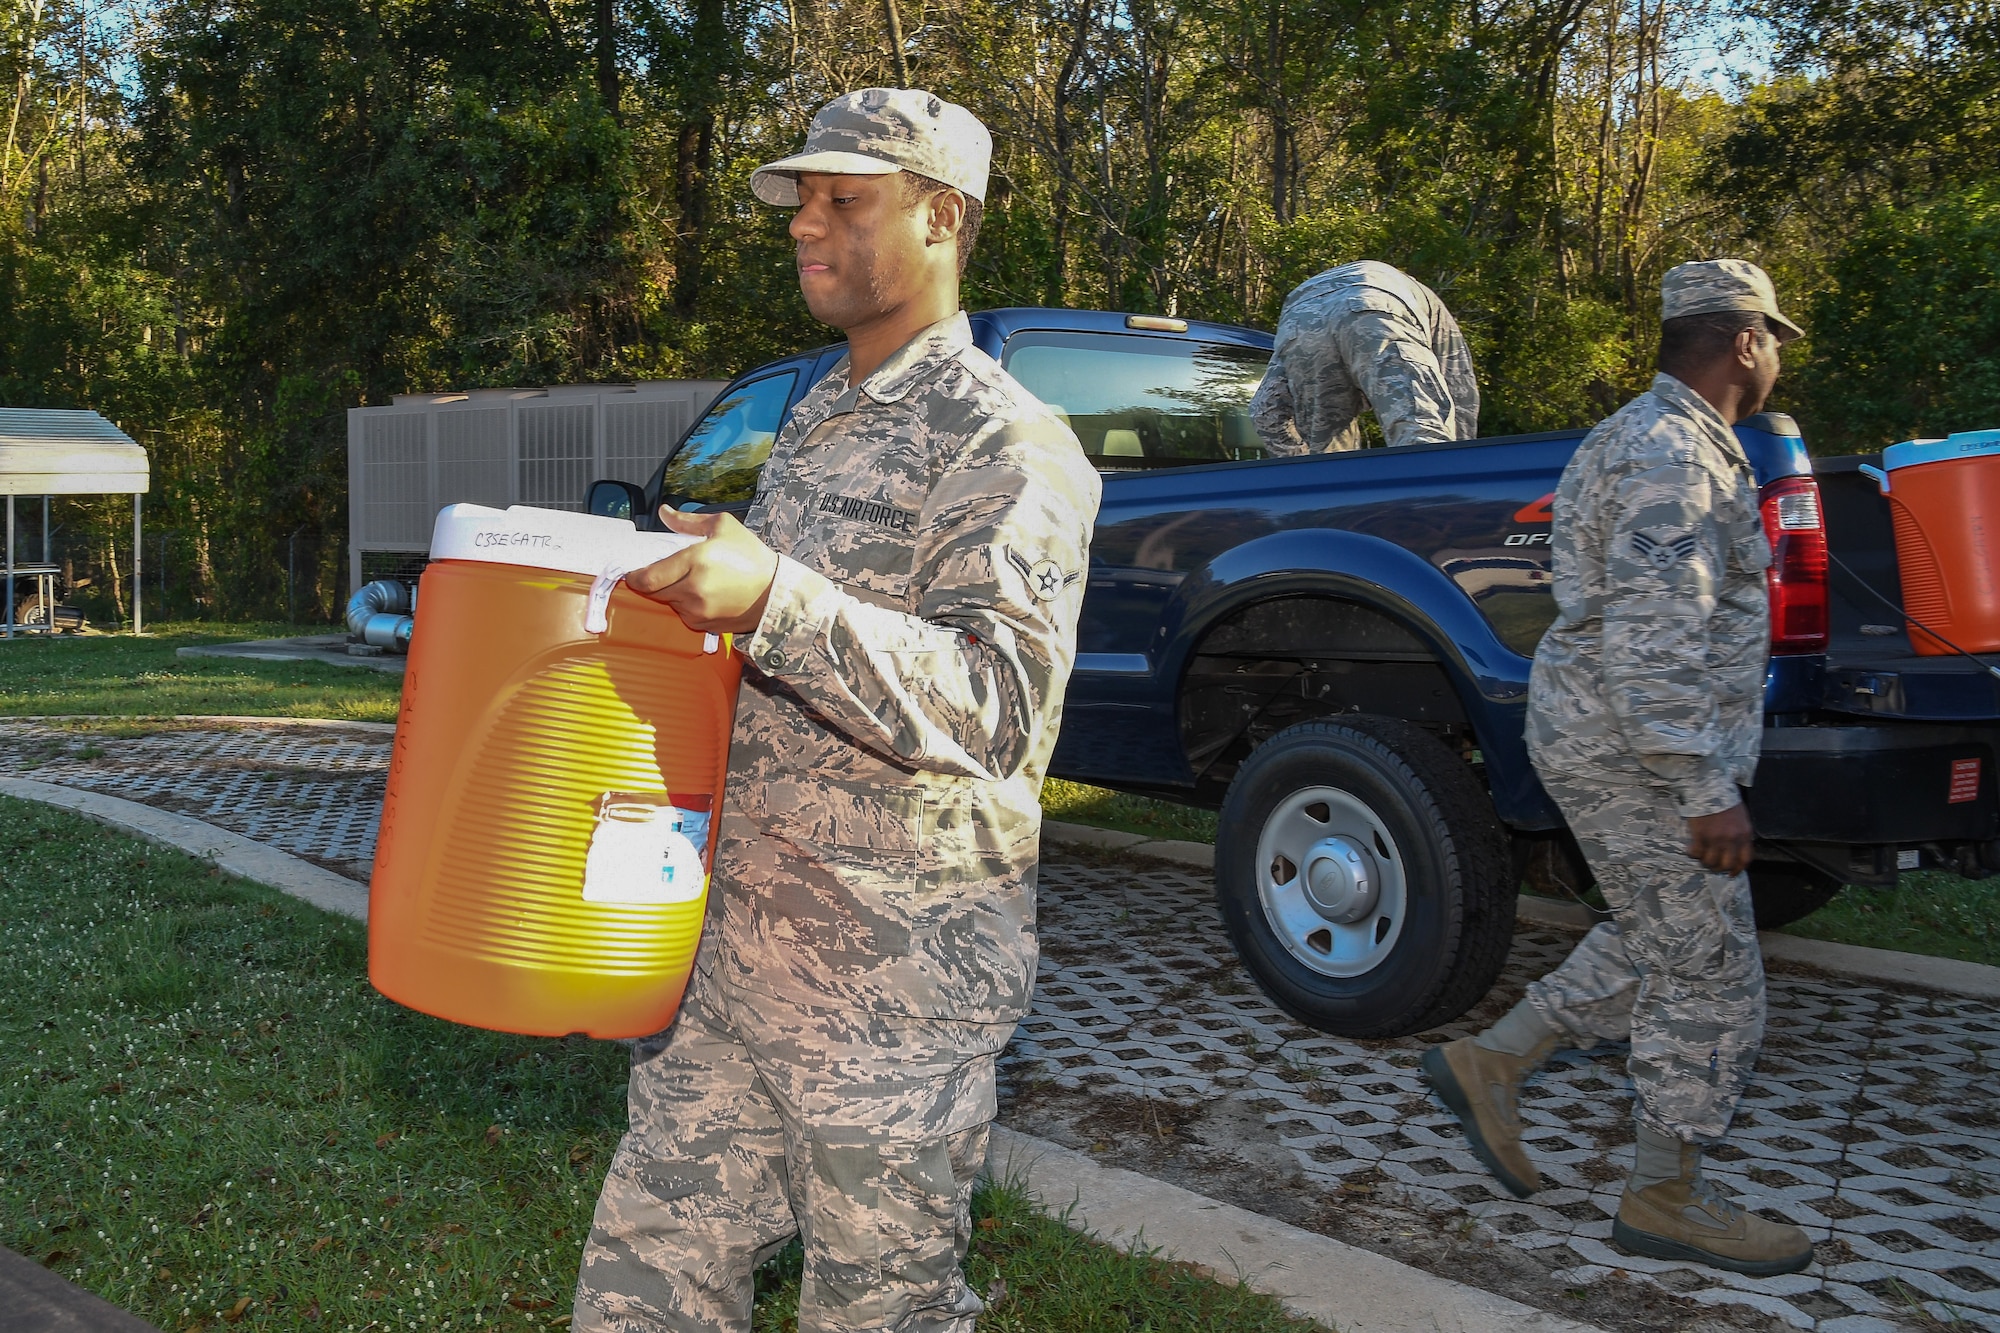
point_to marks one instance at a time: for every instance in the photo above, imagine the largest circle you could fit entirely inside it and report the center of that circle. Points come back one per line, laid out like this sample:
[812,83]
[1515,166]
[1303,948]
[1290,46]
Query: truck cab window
[1138,402]
[718,462]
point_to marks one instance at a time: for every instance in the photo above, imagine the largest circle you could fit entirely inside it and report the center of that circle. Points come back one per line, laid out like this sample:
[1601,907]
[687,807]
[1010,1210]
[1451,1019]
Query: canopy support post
[10,566]
[138,561]
[47,557]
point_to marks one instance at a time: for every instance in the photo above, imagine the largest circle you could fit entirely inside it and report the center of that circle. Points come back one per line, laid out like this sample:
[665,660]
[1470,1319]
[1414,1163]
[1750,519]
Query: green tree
[1910,320]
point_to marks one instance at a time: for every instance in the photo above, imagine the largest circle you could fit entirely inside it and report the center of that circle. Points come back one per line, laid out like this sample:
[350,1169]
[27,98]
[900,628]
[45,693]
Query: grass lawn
[207,1116]
[122,676]
[1930,912]
[1081,804]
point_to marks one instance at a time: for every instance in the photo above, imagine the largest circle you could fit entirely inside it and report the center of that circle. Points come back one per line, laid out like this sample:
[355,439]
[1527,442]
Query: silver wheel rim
[1331,882]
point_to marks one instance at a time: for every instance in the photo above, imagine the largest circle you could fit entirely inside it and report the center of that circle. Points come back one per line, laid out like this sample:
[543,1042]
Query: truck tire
[1363,878]
[1785,891]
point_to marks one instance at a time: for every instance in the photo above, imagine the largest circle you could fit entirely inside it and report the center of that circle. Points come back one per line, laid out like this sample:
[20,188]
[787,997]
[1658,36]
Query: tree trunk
[694,151]
[117,577]
[896,56]
[692,157]
[1065,145]
[1283,153]
[607,56]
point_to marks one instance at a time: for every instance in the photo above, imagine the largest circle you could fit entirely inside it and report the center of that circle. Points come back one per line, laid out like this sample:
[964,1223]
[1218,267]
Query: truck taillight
[1797,576]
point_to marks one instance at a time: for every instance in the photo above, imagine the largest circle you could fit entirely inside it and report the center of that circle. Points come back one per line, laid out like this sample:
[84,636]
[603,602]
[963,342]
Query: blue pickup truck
[1334,651]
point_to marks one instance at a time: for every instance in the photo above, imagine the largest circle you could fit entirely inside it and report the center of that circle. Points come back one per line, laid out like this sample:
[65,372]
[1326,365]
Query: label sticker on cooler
[648,848]
[1964,781]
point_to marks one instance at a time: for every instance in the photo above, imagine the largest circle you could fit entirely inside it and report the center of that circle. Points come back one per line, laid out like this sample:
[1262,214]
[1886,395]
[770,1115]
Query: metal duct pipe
[389,631]
[379,613]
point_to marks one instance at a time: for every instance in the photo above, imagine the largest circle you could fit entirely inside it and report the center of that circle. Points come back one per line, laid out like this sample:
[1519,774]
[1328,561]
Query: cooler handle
[596,613]
[1876,475]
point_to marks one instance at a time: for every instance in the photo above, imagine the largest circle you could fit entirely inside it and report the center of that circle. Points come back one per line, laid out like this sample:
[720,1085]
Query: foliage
[317,1157]
[1915,296]
[1863,173]
[224,224]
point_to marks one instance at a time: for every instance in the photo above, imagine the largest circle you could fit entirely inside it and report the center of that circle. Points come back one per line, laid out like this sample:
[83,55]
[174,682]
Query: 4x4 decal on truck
[1538,512]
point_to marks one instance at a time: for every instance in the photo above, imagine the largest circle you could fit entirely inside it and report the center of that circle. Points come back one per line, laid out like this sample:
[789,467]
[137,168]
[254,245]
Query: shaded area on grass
[119,675]
[1079,803]
[206,1115]
[1930,912]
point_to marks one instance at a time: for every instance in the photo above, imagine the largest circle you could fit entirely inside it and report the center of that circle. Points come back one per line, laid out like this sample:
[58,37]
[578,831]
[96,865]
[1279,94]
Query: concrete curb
[1901,969]
[1314,1276]
[328,723]
[1198,854]
[34,1300]
[232,853]
[306,648]
[334,723]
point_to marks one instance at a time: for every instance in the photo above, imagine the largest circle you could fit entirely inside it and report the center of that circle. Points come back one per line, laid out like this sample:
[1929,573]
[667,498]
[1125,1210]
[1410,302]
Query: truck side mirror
[615,499]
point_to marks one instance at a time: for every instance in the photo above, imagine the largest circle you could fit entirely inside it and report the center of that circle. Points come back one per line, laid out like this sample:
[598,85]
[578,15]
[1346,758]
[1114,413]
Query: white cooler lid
[548,539]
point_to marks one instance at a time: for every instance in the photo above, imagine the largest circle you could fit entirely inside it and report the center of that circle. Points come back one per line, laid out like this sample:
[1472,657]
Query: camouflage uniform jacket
[1654,668]
[881,830]
[1358,336]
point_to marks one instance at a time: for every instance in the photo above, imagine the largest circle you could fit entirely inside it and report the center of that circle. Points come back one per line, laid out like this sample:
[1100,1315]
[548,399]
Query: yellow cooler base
[532,1001]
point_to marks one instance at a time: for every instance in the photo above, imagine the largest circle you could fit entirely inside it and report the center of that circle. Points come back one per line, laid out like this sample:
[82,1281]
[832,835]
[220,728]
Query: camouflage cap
[877,131]
[1723,284]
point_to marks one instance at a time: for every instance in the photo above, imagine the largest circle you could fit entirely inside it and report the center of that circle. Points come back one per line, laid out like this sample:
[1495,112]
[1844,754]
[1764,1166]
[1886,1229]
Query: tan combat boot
[1686,1217]
[1483,1089]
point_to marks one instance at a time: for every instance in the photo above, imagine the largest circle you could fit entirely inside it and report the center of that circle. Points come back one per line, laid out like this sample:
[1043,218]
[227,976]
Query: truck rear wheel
[1363,877]
[1785,891]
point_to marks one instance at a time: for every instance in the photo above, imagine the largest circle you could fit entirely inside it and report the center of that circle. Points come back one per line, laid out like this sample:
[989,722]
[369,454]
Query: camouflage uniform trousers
[753,1121]
[1677,968]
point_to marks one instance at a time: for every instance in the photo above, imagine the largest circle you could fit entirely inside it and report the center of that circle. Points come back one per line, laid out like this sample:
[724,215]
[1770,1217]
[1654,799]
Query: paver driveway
[1874,1119]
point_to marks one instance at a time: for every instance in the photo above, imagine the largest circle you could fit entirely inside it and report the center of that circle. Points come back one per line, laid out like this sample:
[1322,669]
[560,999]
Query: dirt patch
[1225,1150]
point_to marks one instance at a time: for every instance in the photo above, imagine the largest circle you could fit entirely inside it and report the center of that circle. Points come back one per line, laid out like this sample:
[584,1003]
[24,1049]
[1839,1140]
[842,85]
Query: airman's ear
[947,215]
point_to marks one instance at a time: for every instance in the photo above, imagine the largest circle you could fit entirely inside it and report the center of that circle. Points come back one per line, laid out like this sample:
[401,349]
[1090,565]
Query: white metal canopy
[48,451]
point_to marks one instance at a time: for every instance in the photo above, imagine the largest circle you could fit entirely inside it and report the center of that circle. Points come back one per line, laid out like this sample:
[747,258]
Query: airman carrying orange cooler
[542,865]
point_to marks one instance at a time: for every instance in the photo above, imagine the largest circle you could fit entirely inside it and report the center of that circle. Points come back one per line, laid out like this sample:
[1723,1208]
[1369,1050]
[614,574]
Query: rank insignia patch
[1045,578]
[1663,553]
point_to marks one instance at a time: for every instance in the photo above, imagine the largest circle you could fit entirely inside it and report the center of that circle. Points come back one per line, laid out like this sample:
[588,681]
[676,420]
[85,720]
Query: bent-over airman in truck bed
[1360,336]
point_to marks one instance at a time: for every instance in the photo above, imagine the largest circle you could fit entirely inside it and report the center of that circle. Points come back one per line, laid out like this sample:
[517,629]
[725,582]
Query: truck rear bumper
[1882,785]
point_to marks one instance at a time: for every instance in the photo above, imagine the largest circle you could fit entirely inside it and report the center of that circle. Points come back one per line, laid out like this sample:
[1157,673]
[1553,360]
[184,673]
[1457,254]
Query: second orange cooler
[1944,499]
[543,858]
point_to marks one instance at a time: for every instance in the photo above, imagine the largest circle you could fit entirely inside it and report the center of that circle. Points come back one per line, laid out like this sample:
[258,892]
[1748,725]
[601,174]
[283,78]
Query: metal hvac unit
[498,447]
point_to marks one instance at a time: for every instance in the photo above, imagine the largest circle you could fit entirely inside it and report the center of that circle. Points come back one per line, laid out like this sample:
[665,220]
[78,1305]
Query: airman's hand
[1723,842]
[720,584]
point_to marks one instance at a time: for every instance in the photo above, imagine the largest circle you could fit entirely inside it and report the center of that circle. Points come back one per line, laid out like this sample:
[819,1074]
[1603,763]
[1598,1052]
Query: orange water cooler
[1944,499]
[542,865]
